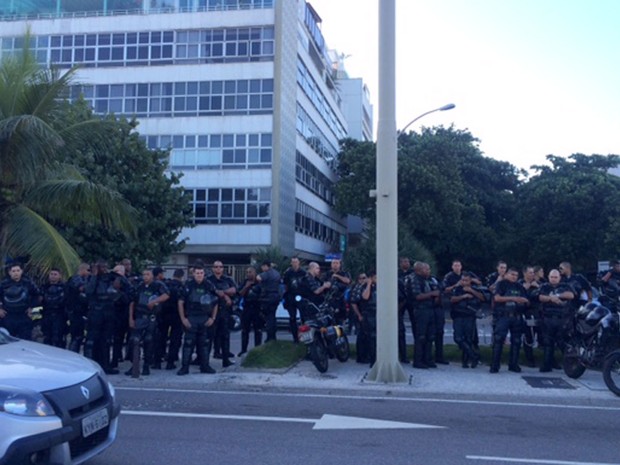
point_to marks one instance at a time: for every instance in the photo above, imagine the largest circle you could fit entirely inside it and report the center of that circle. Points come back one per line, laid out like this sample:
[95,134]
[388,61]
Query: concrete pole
[387,368]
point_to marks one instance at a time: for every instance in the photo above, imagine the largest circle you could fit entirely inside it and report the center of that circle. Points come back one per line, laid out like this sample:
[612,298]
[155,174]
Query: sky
[528,77]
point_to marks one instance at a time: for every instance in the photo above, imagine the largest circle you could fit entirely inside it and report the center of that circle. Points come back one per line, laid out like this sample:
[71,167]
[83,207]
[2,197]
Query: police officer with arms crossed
[292,279]
[269,280]
[466,300]
[54,313]
[143,317]
[17,295]
[198,307]
[226,288]
[77,306]
[556,297]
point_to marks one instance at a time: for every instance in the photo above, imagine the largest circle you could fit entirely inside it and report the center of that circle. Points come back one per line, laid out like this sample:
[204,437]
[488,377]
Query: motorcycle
[611,372]
[596,335]
[325,339]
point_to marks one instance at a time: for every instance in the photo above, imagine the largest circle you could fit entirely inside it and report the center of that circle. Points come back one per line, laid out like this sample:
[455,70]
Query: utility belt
[508,314]
[556,315]
[146,316]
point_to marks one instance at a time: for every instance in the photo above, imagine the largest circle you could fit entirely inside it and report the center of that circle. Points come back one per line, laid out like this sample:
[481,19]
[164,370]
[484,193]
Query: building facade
[242,92]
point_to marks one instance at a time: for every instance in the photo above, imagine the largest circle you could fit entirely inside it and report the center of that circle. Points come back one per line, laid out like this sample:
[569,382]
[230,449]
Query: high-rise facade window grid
[151,48]
[216,151]
[231,205]
[311,177]
[307,128]
[311,222]
[167,99]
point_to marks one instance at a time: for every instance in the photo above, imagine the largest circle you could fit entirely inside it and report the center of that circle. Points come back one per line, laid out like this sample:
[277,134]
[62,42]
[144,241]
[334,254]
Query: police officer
[143,309]
[17,296]
[340,280]
[77,306]
[404,308]
[269,280]
[466,299]
[532,313]
[556,297]
[198,308]
[579,283]
[363,338]
[368,306]
[497,276]
[251,318]
[171,329]
[312,288]
[422,297]
[102,291]
[126,293]
[226,289]
[291,279]
[510,303]
[54,312]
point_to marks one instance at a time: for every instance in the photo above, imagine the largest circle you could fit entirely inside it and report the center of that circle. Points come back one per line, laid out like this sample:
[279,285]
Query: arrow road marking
[325,422]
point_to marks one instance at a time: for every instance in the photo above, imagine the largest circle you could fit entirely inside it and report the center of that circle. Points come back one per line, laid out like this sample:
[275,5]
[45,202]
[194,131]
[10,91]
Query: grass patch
[274,354]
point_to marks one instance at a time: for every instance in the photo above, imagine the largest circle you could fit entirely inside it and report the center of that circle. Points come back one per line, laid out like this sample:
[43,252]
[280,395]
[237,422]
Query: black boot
[245,340]
[547,360]
[464,359]
[204,357]
[186,358]
[418,353]
[529,355]
[439,356]
[513,365]
[496,357]
[258,338]
[402,350]
[428,355]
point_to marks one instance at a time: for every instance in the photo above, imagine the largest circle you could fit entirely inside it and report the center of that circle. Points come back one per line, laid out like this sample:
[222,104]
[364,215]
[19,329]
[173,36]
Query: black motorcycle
[595,336]
[325,339]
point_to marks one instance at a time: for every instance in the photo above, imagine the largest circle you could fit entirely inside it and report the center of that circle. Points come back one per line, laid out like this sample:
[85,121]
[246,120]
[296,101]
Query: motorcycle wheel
[611,372]
[234,324]
[342,351]
[319,355]
[573,367]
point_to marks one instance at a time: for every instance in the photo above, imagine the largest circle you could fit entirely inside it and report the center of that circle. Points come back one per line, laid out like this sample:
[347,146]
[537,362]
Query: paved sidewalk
[446,381]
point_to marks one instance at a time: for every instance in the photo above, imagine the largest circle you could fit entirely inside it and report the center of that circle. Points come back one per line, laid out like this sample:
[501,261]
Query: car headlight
[24,402]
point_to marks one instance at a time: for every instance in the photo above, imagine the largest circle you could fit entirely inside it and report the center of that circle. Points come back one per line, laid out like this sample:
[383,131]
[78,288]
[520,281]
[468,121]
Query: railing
[227,6]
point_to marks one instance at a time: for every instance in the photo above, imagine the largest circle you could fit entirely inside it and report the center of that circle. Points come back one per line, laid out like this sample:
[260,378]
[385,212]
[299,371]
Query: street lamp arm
[449,106]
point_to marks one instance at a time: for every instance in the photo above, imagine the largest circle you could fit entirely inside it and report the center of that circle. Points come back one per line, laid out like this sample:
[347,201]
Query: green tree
[36,189]
[451,198]
[128,166]
[569,211]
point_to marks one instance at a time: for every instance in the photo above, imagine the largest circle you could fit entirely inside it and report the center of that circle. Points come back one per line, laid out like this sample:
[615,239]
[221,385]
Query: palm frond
[73,200]
[29,234]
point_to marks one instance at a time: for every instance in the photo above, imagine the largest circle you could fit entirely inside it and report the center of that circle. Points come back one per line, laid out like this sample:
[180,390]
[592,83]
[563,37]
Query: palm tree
[34,186]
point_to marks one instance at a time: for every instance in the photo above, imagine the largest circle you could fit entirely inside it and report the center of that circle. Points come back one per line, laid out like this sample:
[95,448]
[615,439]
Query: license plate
[305,337]
[95,422]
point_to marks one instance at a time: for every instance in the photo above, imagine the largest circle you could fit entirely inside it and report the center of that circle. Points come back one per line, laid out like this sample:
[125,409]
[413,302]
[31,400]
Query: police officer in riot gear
[102,291]
[54,313]
[251,319]
[77,306]
[368,307]
[198,308]
[17,296]
[466,299]
[340,280]
[292,280]
[171,329]
[422,296]
[510,303]
[225,288]
[149,295]
[269,280]
[556,297]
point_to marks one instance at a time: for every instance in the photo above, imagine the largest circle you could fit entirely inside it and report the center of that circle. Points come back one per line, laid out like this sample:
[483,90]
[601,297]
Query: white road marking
[540,461]
[387,398]
[325,422]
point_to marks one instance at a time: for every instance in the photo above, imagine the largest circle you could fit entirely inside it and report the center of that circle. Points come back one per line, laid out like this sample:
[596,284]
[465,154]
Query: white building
[243,93]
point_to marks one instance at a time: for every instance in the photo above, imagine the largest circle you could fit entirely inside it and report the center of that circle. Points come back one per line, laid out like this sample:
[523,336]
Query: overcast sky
[528,77]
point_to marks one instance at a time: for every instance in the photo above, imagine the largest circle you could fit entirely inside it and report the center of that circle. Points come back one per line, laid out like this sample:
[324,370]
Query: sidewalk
[445,381]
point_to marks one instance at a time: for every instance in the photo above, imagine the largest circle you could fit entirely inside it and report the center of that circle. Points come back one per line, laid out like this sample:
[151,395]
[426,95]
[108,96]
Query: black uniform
[77,307]
[403,307]
[170,328]
[270,298]
[200,302]
[251,318]
[508,316]
[145,318]
[102,291]
[556,321]
[222,330]
[337,294]
[363,337]
[17,298]
[424,313]
[54,314]
[126,288]
[368,307]
[463,314]
[582,288]
[292,280]
[531,329]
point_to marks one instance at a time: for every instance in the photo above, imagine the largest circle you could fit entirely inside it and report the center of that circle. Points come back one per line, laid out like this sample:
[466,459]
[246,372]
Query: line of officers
[533,306]
[106,312]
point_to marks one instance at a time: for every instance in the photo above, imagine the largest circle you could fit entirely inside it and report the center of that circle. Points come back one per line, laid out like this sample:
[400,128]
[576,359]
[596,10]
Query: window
[232,206]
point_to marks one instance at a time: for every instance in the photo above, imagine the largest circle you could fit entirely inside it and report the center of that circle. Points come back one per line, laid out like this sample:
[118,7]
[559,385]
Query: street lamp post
[449,106]
[387,368]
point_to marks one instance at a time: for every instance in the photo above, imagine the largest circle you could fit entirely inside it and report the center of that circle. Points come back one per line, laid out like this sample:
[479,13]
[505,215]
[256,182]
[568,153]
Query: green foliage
[274,354]
[568,211]
[452,199]
[140,176]
[36,190]
[274,255]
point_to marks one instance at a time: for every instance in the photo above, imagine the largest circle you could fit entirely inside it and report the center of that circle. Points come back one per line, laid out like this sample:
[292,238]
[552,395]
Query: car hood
[41,367]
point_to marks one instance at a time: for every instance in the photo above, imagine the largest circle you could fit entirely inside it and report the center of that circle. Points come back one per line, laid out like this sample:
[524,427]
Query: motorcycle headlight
[24,402]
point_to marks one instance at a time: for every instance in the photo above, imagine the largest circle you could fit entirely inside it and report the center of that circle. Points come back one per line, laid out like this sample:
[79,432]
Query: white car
[56,407]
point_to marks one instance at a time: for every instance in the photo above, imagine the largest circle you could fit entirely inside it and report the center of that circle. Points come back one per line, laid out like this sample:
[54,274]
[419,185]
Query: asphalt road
[285,427]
